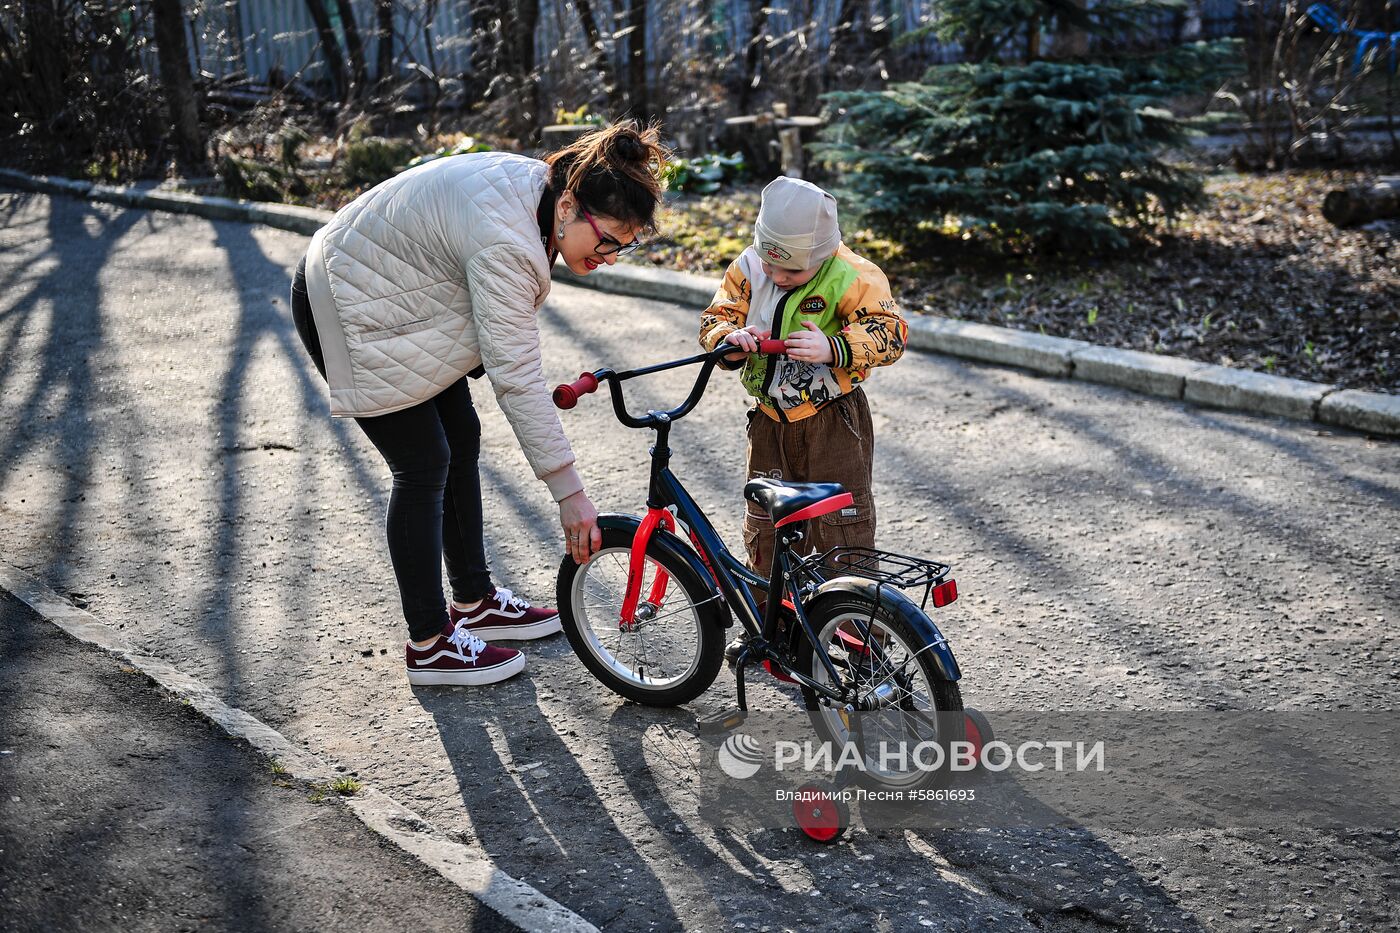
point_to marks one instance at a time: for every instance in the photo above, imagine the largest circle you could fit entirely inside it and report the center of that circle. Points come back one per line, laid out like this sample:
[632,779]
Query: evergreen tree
[1063,154]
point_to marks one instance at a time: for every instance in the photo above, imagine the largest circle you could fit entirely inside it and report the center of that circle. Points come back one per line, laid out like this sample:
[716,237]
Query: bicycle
[838,624]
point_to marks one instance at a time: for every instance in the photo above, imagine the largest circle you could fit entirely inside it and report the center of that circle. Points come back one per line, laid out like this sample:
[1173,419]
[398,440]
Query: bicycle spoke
[650,651]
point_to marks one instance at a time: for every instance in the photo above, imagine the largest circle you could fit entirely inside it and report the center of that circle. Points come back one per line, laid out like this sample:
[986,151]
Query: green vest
[778,382]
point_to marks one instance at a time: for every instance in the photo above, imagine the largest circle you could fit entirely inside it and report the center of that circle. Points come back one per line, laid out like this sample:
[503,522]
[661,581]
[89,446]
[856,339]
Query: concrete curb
[467,867]
[1163,376]
[1049,356]
[681,288]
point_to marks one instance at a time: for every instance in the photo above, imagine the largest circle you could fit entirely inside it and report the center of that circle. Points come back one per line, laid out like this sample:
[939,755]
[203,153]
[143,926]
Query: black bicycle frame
[730,574]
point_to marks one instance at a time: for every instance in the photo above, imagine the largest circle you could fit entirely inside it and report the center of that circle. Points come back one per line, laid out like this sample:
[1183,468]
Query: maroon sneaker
[459,658]
[503,616]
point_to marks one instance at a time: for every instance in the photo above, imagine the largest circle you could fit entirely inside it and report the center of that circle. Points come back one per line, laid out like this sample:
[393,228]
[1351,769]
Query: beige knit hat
[796,227]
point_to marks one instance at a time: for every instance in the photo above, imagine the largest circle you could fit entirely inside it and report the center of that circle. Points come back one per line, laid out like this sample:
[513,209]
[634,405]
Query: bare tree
[597,52]
[1302,89]
[173,53]
[359,75]
[753,52]
[384,40]
[330,48]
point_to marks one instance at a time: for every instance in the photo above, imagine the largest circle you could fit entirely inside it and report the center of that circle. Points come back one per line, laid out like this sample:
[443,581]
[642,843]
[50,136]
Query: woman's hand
[747,338]
[810,345]
[580,521]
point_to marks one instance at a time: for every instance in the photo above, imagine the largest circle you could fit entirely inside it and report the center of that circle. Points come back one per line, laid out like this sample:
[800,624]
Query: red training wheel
[819,813]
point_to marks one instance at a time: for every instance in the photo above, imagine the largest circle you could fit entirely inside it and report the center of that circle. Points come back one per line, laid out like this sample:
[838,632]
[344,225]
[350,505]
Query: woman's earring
[560,235]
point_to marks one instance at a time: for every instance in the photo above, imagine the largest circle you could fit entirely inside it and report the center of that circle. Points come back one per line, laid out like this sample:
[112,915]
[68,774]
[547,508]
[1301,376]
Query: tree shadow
[58,408]
[733,856]
[977,517]
[537,812]
[258,321]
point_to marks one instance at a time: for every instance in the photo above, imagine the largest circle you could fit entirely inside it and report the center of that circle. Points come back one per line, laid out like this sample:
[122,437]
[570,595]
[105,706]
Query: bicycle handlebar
[567,395]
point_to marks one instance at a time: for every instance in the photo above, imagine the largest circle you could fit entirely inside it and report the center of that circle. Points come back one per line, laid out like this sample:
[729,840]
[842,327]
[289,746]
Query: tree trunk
[595,45]
[45,36]
[330,48]
[845,40]
[753,52]
[525,20]
[1350,207]
[487,24]
[811,81]
[1073,40]
[384,40]
[174,56]
[359,74]
[637,61]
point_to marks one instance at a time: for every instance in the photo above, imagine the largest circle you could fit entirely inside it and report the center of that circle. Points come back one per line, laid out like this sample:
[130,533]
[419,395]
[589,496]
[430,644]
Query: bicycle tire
[699,613]
[939,705]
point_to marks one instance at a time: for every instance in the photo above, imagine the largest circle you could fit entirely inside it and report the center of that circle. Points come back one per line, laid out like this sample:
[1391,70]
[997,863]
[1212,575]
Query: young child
[811,423]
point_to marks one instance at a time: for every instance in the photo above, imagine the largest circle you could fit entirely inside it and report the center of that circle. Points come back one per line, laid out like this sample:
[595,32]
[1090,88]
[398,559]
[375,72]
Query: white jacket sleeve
[503,290]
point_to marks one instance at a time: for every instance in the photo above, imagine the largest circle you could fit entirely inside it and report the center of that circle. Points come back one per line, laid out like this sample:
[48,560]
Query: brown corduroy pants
[836,445]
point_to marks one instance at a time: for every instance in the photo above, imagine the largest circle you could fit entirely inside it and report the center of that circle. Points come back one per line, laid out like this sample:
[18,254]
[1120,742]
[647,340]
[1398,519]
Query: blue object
[1327,18]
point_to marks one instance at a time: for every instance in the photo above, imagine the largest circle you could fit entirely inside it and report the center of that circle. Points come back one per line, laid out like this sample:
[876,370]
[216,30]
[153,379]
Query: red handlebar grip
[566,396]
[772,347]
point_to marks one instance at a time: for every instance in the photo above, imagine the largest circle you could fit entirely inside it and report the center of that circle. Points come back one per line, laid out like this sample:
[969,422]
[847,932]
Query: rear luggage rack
[884,567]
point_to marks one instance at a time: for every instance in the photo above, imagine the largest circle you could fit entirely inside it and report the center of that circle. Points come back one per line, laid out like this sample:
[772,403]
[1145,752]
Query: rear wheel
[672,651]
[902,706]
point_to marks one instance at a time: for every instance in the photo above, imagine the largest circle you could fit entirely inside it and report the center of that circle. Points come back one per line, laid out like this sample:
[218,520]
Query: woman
[431,277]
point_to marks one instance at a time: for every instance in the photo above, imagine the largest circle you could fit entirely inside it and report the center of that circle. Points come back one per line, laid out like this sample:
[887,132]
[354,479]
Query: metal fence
[263,37]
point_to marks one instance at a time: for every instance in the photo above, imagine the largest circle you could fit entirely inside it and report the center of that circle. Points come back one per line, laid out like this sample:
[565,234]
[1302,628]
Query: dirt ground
[1259,280]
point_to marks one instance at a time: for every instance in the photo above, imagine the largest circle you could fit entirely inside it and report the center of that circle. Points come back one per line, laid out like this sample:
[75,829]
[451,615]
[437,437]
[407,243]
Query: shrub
[1065,155]
[258,181]
[466,145]
[368,160]
[704,174]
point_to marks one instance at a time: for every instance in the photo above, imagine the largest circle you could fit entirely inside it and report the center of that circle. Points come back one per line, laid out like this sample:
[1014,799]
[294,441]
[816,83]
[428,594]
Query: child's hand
[747,338]
[810,345]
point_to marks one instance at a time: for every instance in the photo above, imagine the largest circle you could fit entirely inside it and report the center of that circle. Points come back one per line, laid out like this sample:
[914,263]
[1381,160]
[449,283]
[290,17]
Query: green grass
[347,786]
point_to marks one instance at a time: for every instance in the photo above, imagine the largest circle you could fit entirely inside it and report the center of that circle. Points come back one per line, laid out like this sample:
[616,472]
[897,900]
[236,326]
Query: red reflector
[945,593]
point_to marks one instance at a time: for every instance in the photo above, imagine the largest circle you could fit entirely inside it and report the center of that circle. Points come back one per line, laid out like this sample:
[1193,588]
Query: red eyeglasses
[608,246]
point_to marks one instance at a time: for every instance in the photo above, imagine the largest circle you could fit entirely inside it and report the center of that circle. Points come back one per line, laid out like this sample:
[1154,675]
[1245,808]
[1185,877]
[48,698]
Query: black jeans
[435,506]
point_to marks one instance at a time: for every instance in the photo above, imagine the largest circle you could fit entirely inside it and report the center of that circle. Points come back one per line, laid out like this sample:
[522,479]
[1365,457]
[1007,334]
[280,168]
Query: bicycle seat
[795,502]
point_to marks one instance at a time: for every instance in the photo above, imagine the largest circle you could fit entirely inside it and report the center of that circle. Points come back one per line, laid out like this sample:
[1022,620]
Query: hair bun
[615,171]
[627,146]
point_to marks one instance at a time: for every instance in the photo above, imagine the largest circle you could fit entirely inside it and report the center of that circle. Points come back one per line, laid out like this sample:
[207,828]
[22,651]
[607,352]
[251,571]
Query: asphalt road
[168,461]
[124,810]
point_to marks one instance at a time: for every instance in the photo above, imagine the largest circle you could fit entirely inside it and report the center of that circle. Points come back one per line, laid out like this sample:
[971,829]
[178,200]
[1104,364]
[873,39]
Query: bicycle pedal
[720,723]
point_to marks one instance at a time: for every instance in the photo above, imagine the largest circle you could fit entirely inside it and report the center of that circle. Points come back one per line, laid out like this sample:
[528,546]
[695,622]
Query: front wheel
[672,651]
[904,715]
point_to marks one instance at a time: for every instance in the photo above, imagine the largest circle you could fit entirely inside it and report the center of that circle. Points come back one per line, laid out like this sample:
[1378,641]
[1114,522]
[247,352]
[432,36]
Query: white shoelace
[467,643]
[507,598]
